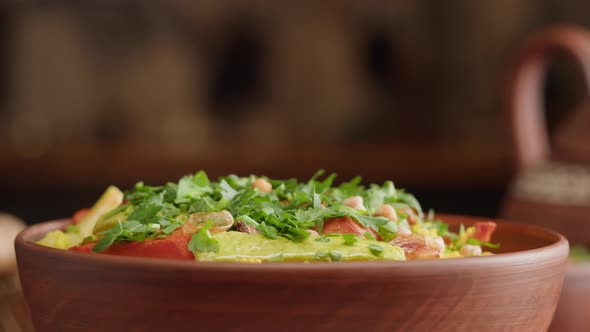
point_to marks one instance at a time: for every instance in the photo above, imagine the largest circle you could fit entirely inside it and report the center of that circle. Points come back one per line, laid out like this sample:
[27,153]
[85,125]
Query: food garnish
[258,219]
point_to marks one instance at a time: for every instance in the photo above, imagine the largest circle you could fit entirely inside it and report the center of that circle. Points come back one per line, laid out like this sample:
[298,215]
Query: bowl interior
[512,237]
[516,290]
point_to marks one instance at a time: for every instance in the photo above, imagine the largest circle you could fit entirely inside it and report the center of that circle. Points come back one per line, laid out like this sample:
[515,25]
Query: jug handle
[525,88]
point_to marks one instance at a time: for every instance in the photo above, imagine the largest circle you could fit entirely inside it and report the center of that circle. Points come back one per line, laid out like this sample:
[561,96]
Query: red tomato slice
[175,246]
[347,225]
[484,230]
[79,215]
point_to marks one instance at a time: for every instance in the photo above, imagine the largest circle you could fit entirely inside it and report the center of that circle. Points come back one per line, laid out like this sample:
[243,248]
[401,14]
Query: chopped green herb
[202,241]
[349,239]
[376,249]
[267,230]
[292,210]
[321,255]
[144,213]
[483,244]
[369,236]
[171,227]
[322,239]
[335,256]
[73,229]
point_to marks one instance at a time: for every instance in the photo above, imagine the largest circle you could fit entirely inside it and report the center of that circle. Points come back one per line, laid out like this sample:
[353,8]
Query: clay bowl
[515,291]
[572,312]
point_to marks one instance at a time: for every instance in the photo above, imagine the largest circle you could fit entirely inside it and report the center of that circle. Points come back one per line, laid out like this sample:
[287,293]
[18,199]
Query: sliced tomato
[343,225]
[175,246]
[484,230]
[79,215]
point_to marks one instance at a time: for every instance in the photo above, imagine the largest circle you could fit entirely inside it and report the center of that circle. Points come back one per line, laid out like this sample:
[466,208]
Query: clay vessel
[515,290]
[552,186]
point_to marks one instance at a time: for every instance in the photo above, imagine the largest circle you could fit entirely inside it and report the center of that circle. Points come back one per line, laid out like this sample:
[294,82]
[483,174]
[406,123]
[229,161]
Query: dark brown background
[100,92]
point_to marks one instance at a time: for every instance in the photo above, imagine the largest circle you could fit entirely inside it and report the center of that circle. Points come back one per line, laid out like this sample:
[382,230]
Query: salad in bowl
[258,219]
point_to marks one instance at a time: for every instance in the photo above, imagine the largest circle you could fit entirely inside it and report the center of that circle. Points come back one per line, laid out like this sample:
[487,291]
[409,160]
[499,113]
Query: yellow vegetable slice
[59,240]
[111,198]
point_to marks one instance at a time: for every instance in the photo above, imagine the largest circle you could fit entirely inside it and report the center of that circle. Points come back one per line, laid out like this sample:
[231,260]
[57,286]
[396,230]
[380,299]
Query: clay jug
[552,186]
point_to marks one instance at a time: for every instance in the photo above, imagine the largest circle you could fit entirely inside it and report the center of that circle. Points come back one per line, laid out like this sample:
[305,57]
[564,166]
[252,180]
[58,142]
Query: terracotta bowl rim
[556,248]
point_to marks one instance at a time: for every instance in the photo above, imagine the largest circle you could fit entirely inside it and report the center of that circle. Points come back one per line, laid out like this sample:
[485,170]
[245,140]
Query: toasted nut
[221,221]
[415,247]
[387,211]
[412,217]
[262,185]
[243,227]
[436,242]
[471,250]
[313,233]
[355,202]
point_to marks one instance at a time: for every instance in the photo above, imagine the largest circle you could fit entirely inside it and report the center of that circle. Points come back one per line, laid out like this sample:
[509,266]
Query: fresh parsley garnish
[335,256]
[128,231]
[349,239]
[375,249]
[268,231]
[202,241]
[291,210]
[483,244]
[322,239]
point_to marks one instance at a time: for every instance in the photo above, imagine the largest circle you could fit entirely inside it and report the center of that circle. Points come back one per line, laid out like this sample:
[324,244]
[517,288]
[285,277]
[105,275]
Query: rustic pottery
[514,291]
[552,188]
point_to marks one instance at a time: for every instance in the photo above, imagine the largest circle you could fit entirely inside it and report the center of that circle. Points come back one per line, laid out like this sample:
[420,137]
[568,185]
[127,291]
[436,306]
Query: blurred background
[111,92]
